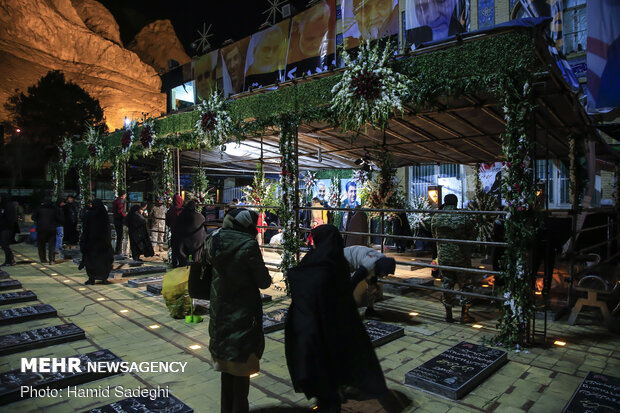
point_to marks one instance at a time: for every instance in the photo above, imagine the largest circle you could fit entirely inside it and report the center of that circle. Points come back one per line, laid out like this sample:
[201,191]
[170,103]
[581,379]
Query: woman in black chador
[139,239]
[327,347]
[96,243]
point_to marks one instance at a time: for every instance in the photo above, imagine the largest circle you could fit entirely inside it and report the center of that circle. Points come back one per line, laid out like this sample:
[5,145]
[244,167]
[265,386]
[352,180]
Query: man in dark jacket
[47,217]
[70,212]
[190,233]
[236,312]
[119,214]
[171,220]
[8,228]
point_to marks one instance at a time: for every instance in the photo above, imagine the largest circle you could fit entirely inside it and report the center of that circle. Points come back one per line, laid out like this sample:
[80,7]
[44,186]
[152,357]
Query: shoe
[465,317]
[105,282]
[449,318]
[89,282]
[8,264]
[52,262]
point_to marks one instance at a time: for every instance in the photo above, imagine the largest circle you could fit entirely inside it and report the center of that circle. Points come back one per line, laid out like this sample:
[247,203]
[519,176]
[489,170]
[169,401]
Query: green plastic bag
[174,291]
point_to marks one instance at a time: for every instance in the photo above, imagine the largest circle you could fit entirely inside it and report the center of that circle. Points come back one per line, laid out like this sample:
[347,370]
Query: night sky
[231,19]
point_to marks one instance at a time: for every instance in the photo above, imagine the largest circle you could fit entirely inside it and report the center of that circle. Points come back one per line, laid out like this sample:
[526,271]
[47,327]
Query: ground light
[54,273]
[195,346]
[413,314]
[559,343]
[100,299]
[477,326]
[154,326]
[66,281]
[124,311]
[253,375]
[81,288]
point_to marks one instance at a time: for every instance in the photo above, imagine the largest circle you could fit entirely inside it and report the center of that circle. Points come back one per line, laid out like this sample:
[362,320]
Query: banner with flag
[603,54]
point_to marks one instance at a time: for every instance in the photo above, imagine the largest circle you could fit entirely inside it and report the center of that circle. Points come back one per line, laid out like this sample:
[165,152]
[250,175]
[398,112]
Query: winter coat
[96,242]
[356,222]
[138,234]
[453,226]
[236,312]
[47,217]
[326,345]
[359,256]
[190,232]
[174,211]
[118,210]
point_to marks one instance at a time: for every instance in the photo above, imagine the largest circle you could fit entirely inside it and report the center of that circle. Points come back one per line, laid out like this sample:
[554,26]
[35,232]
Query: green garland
[84,184]
[577,170]
[167,180]
[288,208]
[119,180]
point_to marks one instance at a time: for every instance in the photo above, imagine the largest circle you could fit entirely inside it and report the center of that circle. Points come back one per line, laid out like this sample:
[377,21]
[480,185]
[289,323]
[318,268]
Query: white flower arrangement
[65,151]
[147,134]
[369,91]
[215,124]
[94,145]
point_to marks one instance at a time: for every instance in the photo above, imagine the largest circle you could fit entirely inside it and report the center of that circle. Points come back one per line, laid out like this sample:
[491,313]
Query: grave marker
[21,314]
[143,270]
[17,297]
[4,275]
[381,333]
[154,288]
[597,393]
[145,404]
[458,370]
[274,320]
[11,381]
[40,337]
[10,285]
[138,282]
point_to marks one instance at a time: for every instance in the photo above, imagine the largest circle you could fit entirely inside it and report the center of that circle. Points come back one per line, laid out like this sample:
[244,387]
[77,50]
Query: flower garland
[482,201]
[333,192]
[369,91]
[288,206]
[65,152]
[128,137]
[420,221]
[310,181]
[519,192]
[119,181]
[200,188]
[167,186]
[384,191]
[94,145]
[84,184]
[261,192]
[215,124]
[147,134]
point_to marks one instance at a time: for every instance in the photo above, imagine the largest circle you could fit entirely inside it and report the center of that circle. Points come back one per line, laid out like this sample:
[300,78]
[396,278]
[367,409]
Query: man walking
[47,218]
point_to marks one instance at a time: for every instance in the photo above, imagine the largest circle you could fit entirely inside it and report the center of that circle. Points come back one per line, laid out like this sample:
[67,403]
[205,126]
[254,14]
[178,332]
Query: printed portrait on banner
[233,66]
[368,19]
[431,20]
[266,57]
[313,43]
[205,74]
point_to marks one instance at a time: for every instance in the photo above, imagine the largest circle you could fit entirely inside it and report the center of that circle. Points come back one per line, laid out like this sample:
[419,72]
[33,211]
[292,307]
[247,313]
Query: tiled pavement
[534,380]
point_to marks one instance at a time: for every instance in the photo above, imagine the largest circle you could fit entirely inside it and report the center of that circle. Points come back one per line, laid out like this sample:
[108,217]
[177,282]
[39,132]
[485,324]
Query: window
[575,26]
[423,176]
[558,186]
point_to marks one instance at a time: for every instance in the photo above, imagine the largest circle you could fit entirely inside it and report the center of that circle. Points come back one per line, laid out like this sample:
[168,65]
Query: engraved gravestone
[11,381]
[274,320]
[458,370]
[154,288]
[10,285]
[381,333]
[138,282]
[40,337]
[143,270]
[597,393]
[17,297]
[145,404]
[31,312]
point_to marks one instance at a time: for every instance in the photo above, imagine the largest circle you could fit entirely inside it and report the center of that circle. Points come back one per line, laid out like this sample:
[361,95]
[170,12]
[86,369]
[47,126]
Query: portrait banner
[233,66]
[312,46]
[205,74]
[368,19]
[432,20]
[266,58]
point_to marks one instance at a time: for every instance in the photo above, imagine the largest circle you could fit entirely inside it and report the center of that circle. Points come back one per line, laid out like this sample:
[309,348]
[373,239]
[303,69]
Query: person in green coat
[236,312]
[454,226]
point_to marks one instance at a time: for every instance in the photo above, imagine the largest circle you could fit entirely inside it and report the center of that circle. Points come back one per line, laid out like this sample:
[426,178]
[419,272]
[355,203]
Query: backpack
[200,276]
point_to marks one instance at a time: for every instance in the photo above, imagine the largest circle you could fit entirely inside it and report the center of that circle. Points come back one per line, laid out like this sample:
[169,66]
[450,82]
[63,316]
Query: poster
[205,74]
[368,19]
[233,66]
[432,20]
[266,57]
[312,43]
[490,177]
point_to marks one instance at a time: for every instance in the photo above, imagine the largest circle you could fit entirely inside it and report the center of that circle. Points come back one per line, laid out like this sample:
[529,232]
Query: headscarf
[241,219]
[328,250]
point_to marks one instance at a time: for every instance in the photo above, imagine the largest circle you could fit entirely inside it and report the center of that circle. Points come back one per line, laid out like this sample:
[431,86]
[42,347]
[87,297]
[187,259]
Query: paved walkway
[537,380]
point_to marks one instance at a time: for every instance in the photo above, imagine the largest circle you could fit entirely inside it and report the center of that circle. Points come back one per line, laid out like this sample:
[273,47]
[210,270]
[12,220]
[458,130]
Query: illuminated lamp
[434,195]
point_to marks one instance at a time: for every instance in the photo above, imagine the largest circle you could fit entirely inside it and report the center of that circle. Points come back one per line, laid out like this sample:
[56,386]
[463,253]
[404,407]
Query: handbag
[199,281]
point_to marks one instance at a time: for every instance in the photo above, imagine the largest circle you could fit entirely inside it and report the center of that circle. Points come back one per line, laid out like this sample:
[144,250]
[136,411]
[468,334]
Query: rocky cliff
[156,43]
[41,35]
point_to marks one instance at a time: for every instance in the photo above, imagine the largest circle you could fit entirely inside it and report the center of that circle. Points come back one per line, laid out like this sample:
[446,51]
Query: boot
[465,317]
[449,318]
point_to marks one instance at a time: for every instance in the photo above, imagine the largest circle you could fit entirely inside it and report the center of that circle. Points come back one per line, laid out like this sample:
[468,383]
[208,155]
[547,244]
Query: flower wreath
[214,124]
[147,134]
[369,91]
[94,146]
[128,137]
[65,152]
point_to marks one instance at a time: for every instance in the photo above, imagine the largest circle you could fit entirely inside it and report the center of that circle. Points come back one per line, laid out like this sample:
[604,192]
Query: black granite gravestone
[143,270]
[10,285]
[597,393]
[21,314]
[12,381]
[154,289]
[4,275]
[274,320]
[17,297]
[381,333]
[41,337]
[138,282]
[145,405]
[71,254]
[458,370]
